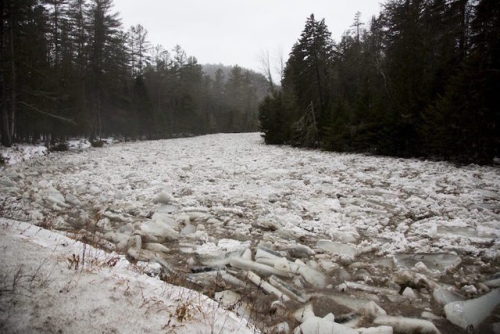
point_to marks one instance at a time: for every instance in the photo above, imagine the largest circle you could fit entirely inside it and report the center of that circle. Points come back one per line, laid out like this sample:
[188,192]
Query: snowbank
[41,291]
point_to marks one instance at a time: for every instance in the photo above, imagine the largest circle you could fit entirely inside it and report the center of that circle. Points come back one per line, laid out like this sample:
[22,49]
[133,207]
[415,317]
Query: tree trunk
[13,83]
[6,135]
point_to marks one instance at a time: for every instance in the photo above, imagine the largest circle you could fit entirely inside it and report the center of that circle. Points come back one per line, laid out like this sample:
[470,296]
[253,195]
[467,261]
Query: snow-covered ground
[41,291]
[219,209]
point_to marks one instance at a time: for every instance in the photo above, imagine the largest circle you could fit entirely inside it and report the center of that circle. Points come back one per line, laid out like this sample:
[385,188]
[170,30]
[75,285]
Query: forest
[69,68]
[420,80]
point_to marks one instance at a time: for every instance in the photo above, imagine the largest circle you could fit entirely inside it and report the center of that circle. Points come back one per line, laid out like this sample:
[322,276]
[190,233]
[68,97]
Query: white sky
[237,31]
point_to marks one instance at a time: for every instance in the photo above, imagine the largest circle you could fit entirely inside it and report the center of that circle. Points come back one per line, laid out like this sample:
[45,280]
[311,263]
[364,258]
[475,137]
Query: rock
[346,252]
[471,313]
[315,325]
[407,325]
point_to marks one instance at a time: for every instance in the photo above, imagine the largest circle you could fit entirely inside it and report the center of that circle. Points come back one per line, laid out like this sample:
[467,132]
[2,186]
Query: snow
[213,204]
[106,294]
[21,152]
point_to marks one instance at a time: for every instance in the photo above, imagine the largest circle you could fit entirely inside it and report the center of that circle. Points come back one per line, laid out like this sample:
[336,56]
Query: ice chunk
[494,283]
[304,312]
[157,231]
[472,312]
[255,279]
[409,293]
[233,301]
[440,262]
[313,277]
[286,288]
[258,267]
[444,295]
[375,330]
[164,198]
[54,196]
[300,251]
[345,251]
[407,325]
[371,309]
[156,247]
[345,236]
[281,328]
[315,325]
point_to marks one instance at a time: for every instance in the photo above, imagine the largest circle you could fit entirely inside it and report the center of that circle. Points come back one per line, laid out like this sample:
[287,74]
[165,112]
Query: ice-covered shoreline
[42,291]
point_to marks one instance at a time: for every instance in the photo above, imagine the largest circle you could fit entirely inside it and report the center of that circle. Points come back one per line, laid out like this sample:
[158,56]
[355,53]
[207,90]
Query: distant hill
[258,80]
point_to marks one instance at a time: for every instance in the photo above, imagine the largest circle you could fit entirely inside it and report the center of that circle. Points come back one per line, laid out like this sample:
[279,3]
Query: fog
[237,31]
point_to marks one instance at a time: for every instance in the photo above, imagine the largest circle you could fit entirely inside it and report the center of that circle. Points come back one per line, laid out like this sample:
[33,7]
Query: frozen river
[224,213]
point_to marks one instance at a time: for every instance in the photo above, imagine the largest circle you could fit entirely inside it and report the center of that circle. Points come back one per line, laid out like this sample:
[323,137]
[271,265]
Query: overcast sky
[237,31]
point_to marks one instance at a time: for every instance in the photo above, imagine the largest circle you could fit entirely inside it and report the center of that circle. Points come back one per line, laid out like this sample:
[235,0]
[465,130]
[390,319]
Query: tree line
[422,79]
[69,68]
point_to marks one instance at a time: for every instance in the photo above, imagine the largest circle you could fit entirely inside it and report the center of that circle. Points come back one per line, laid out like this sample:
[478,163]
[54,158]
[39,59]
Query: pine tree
[307,76]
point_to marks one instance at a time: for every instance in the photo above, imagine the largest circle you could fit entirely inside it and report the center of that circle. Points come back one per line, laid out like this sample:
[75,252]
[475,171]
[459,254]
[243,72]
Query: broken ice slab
[443,295]
[407,325]
[494,283]
[258,267]
[375,330]
[304,312]
[287,289]
[255,279]
[54,196]
[315,325]
[211,277]
[371,289]
[156,231]
[463,231]
[219,255]
[346,252]
[312,276]
[470,313]
[440,262]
